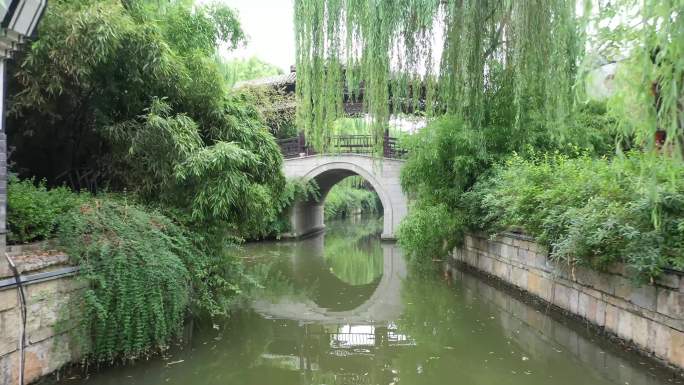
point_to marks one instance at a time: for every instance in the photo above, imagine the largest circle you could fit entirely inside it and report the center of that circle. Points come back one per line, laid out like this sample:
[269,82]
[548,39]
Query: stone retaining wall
[46,348]
[649,316]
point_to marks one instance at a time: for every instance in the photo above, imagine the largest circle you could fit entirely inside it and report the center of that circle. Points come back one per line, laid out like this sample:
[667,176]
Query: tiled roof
[273,81]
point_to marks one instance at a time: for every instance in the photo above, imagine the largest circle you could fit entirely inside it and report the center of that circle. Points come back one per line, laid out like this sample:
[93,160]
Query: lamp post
[19,19]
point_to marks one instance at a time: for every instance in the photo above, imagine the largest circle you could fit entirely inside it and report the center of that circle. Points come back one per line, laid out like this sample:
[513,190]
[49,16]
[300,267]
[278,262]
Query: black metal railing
[290,147]
[348,144]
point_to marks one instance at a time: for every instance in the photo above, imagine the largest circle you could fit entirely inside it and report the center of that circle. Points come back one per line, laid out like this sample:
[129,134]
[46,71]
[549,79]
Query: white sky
[270,30]
[269,27]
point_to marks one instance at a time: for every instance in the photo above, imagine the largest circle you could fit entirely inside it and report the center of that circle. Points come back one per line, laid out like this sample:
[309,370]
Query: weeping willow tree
[646,39]
[438,57]
[498,77]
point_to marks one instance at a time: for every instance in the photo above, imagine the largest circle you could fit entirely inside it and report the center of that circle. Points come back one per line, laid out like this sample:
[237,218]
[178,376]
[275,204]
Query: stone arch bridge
[382,173]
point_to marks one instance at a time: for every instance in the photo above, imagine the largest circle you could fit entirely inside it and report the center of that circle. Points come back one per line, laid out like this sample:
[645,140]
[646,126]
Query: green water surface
[342,308]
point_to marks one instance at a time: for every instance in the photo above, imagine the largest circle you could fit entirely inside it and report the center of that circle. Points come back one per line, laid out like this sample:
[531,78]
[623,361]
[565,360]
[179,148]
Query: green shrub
[429,231]
[348,197]
[33,210]
[449,156]
[142,271]
[139,287]
[445,160]
[592,212]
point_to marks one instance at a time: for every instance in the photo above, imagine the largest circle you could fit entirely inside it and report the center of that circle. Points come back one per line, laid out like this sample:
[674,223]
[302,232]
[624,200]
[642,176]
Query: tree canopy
[523,52]
[518,65]
[130,96]
[499,79]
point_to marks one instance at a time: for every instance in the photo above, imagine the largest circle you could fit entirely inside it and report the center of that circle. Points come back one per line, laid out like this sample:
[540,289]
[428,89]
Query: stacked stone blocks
[48,345]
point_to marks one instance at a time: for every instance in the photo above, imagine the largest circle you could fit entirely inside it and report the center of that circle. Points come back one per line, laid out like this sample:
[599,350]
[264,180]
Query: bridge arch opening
[328,175]
[350,197]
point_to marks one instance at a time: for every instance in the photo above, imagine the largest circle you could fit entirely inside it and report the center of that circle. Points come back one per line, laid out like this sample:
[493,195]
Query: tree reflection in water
[354,255]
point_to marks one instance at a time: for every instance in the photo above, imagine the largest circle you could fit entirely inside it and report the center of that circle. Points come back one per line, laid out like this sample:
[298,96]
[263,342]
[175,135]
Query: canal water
[343,308]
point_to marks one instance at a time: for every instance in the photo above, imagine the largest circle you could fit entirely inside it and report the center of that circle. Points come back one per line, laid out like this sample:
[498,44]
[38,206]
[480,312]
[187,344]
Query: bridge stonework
[306,217]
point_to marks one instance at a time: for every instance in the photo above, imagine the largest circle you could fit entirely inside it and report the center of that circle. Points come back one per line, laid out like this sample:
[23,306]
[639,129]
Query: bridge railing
[350,144]
[290,147]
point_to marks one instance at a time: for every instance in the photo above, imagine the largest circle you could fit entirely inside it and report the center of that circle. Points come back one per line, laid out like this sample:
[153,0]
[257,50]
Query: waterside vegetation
[165,166]
[513,140]
[131,146]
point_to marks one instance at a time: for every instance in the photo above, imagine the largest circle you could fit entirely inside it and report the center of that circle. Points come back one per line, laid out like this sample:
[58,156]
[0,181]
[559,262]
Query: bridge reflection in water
[334,328]
[332,300]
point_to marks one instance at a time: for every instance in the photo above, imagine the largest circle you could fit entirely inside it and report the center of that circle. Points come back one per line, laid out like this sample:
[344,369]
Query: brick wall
[47,346]
[650,316]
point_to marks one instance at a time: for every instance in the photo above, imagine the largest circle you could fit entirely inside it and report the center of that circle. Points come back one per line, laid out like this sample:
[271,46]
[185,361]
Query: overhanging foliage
[387,51]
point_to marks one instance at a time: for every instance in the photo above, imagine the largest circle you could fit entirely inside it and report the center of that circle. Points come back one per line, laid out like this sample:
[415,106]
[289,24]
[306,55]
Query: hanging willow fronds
[437,56]
[646,38]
